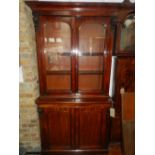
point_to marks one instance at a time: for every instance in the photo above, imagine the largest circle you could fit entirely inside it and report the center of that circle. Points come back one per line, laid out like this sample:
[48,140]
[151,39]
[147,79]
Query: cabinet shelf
[60,54]
[69,72]
[65,54]
[58,72]
[81,54]
[91,54]
[90,72]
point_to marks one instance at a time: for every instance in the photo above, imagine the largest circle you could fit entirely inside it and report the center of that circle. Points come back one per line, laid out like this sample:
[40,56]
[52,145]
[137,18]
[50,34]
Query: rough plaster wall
[29,91]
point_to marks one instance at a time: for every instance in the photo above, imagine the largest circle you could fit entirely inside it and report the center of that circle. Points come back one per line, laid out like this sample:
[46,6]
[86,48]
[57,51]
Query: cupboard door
[92,128]
[55,125]
[56,53]
[92,54]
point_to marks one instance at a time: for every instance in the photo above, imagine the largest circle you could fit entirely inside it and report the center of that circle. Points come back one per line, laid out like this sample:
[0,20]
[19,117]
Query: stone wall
[29,126]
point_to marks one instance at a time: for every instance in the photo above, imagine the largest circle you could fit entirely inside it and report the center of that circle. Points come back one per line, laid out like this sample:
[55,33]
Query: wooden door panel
[56,128]
[92,128]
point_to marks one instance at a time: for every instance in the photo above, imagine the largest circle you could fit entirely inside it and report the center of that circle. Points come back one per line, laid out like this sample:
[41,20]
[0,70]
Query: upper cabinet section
[75,41]
[125,42]
[75,54]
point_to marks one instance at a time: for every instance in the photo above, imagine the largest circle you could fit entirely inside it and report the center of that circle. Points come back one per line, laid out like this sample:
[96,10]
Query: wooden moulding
[79,8]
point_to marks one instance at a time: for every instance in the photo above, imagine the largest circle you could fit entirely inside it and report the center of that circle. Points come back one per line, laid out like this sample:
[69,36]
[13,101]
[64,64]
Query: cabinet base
[76,152]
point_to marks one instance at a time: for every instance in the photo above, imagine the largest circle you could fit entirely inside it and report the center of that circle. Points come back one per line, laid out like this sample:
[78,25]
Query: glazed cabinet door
[56,126]
[92,128]
[55,54]
[94,54]
[74,54]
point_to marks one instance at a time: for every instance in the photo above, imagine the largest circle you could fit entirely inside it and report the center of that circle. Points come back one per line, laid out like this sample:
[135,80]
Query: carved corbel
[36,21]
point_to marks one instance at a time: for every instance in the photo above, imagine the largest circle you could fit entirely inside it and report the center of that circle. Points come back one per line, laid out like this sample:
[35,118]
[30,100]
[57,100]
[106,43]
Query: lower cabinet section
[74,128]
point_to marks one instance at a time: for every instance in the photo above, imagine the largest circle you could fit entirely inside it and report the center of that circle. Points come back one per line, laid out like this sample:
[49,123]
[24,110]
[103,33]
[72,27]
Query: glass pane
[90,63]
[58,82]
[128,36]
[57,62]
[92,37]
[90,82]
[91,48]
[57,46]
